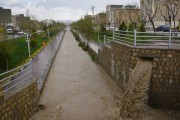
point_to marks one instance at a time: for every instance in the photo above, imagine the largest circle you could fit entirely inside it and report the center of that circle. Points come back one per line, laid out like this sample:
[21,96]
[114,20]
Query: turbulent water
[136,92]
[77,88]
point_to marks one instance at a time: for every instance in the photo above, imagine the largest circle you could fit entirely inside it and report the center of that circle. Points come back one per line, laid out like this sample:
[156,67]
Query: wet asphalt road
[42,62]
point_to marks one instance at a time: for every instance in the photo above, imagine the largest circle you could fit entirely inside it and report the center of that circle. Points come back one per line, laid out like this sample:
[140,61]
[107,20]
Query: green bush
[33,42]
[142,28]
[81,44]
[102,28]
[109,33]
[123,26]
[85,47]
[131,27]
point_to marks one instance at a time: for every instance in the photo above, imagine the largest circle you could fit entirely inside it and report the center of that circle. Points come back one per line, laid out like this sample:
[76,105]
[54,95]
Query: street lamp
[28,37]
[28,41]
[48,35]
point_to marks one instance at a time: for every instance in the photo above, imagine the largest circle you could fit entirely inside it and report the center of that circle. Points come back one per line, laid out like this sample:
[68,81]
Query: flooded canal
[79,89]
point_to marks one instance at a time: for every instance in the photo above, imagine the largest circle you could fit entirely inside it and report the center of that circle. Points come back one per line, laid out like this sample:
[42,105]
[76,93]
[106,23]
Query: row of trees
[161,9]
[7,47]
[85,26]
[168,10]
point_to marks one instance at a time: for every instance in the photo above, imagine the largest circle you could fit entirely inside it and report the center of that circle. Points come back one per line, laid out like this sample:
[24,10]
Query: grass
[20,55]
[21,52]
[94,35]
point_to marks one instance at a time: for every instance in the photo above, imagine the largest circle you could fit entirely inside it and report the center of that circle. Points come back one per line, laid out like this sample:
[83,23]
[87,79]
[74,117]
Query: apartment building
[110,20]
[5,16]
[19,20]
[99,19]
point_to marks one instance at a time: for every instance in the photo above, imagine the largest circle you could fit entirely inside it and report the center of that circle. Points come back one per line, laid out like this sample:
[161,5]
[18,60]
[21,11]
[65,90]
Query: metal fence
[150,39]
[15,77]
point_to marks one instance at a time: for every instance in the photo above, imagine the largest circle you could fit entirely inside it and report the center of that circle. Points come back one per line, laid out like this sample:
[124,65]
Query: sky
[60,9]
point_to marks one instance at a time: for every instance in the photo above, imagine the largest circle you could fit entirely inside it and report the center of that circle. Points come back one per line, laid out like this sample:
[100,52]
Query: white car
[20,33]
[9,31]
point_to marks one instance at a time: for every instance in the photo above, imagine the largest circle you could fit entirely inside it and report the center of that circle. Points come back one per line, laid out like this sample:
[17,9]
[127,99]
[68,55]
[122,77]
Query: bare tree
[172,8]
[149,11]
[119,16]
[133,15]
[151,14]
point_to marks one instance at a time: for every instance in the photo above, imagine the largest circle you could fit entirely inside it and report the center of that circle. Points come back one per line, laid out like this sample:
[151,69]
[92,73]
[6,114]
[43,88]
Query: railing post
[135,33]
[169,43]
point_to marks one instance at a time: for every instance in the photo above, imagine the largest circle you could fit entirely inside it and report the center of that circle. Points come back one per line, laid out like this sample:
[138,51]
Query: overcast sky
[59,9]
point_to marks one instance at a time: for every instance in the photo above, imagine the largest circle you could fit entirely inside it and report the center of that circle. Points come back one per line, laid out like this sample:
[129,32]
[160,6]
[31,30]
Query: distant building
[130,7]
[127,15]
[99,19]
[20,20]
[110,14]
[5,16]
[47,22]
[116,14]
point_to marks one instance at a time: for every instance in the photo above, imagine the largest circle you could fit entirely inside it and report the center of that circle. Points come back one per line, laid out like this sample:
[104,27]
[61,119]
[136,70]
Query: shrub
[85,47]
[123,26]
[131,27]
[102,28]
[33,42]
[142,28]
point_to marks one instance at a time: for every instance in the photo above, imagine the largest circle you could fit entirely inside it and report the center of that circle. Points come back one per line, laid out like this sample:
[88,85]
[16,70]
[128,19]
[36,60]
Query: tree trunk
[152,22]
[7,65]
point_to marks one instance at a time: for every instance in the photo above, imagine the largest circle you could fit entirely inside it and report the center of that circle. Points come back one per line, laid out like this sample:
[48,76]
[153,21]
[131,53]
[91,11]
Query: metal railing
[150,39]
[15,77]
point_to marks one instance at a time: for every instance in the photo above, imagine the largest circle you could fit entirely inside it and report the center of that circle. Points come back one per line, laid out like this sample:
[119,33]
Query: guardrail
[151,39]
[15,77]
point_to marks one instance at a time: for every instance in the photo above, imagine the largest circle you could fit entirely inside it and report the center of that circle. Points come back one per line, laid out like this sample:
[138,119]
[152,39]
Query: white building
[110,22]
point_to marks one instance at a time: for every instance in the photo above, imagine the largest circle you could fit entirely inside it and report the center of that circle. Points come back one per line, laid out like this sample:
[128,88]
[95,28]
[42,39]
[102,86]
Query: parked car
[163,28]
[9,31]
[21,33]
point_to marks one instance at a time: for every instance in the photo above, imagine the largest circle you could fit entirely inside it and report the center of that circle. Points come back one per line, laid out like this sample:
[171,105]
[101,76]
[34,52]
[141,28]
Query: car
[163,28]
[20,33]
[9,31]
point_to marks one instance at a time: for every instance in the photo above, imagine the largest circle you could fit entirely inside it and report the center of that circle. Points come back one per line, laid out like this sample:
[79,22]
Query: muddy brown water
[78,89]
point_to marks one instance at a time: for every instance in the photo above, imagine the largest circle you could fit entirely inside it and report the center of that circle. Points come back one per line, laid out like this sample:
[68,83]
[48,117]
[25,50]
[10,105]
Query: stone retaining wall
[119,60]
[21,105]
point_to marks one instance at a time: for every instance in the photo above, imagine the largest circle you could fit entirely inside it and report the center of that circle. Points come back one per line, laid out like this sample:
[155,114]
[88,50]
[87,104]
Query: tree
[172,8]
[85,26]
[133,15]
[151,14]
[6,49]
[123,26]
[119,16]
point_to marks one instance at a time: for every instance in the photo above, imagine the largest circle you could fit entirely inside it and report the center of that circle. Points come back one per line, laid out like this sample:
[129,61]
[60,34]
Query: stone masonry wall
[21,105]
[165,78]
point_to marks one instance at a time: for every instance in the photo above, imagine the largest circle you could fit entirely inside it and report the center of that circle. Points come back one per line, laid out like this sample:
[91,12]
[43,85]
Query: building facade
[99,19]
[110,21]
[20,20]
[5,16]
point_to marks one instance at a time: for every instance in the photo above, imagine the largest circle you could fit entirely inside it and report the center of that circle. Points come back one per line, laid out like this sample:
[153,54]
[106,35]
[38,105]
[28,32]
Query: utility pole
[92,8]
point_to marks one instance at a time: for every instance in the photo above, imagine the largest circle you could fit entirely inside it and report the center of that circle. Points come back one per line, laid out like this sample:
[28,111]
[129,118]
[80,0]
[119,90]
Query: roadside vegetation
[14,52]
[85,46]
